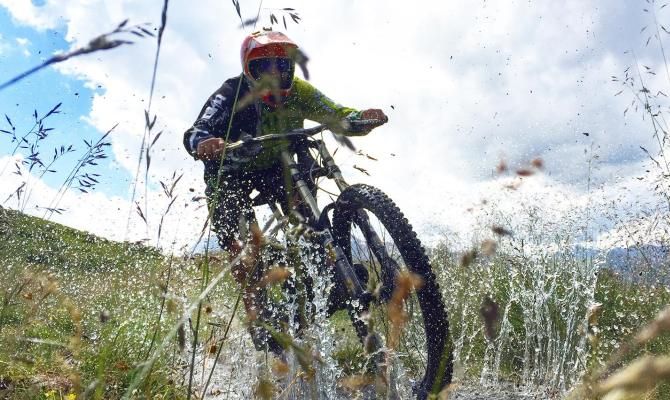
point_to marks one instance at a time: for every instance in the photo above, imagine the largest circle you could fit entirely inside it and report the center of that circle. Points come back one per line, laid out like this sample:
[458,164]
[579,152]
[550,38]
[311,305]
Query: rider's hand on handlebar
[210,148]
[375,114]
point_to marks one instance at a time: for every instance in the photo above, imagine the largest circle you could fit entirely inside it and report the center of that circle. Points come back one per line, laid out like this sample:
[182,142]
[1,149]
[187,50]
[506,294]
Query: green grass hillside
[77,312]
[81,314]
[556,315]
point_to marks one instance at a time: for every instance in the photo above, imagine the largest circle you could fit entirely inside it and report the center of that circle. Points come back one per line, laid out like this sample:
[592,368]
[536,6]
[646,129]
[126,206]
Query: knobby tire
[356,198]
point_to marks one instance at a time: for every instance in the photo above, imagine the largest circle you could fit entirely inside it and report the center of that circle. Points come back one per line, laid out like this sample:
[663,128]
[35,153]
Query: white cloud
[42,17]
[100,214]
[23,45]
[469,82]
[4,45]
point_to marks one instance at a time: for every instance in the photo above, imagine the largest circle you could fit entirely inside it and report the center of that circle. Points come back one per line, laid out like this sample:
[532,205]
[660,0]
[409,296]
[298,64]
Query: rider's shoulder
[300,83]
[302,88]
[229,86]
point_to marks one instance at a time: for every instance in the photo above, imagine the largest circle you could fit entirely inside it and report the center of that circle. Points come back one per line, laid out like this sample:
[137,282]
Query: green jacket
[255,118]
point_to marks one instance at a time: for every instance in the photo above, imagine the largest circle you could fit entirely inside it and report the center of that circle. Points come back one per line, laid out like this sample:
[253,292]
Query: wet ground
[240,367]
[502,393]
[463,393]
[238,380]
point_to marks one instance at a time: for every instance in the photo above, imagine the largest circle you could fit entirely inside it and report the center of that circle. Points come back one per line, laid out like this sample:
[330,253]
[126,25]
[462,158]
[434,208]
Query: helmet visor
[280,68]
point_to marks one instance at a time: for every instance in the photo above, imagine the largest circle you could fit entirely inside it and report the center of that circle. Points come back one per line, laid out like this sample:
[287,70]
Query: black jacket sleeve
[213,118]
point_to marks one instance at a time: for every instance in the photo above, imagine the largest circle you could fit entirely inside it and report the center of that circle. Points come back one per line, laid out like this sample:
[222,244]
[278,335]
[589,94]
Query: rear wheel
[374,233]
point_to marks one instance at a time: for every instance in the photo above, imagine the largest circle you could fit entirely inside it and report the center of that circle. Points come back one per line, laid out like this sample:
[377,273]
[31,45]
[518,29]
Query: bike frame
[317,218]
[301,169]
[343,269]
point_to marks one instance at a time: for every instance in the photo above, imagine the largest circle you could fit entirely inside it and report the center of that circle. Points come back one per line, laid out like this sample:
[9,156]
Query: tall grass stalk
[23,139]
[99,43]
[162,306]
[149,124]
[45,170]
[193,305]
[194,347]
[94,152]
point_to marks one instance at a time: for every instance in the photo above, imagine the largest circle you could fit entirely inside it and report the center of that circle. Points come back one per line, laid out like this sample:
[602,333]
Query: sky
[465,84]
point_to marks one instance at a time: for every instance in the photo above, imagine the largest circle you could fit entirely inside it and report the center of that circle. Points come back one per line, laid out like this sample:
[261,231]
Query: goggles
[282,68]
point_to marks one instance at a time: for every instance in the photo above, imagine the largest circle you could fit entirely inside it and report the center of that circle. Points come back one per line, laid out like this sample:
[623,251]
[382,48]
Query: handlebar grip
[362,125]
[368,122]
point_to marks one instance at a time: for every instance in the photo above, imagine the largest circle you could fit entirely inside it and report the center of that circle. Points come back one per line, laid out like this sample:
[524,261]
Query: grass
[78,314]
[76,310]
[538,315]
[626,307]
[559,312]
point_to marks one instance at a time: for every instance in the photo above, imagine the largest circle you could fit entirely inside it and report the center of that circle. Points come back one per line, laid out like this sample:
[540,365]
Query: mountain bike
[382,278]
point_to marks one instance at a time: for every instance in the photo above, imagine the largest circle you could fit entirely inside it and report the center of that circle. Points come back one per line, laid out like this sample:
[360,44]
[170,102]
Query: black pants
[231,205]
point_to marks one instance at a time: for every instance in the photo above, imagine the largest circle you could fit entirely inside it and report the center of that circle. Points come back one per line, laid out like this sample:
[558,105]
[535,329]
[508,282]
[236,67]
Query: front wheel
[374,233]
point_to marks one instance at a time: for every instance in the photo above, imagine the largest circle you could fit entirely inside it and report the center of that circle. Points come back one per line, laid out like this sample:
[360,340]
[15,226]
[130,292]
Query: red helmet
[269,51]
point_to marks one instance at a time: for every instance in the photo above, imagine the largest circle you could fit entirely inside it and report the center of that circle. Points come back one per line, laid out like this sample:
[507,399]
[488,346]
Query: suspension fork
[372,342]
[344,272]
[332,170]
[362,220]
[377,247]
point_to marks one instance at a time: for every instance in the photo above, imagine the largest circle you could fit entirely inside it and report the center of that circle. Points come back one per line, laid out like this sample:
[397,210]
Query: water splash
[541,329]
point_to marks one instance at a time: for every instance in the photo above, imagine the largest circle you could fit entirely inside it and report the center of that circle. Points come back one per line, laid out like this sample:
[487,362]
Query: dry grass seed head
[171,306]
[253,248]
[500,231]
[252,316]
[104,316]
[405,283]
[537,163]
[280,367]
[181,337]
[264,389]
[490,313]
[468,258]
[657,327]
[75,313]
[501,168]
[619,394]
[50,287]
[121,365]
[489,247]
[639,377]
[274,275]
[355,383]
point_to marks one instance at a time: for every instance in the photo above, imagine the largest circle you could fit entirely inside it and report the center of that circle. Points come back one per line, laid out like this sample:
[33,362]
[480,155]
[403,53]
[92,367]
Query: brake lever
[249,145]
[370,122]
[359,125]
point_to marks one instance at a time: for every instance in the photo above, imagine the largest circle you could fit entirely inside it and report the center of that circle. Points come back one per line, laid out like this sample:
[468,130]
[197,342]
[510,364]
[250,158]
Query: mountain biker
[265,99]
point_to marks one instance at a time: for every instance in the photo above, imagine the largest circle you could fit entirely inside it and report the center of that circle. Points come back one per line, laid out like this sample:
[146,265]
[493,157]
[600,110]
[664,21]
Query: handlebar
[245,150]
[273,136]
[304,132]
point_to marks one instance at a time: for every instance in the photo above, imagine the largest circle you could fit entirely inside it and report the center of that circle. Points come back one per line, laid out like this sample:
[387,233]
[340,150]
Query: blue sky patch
[22,48]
